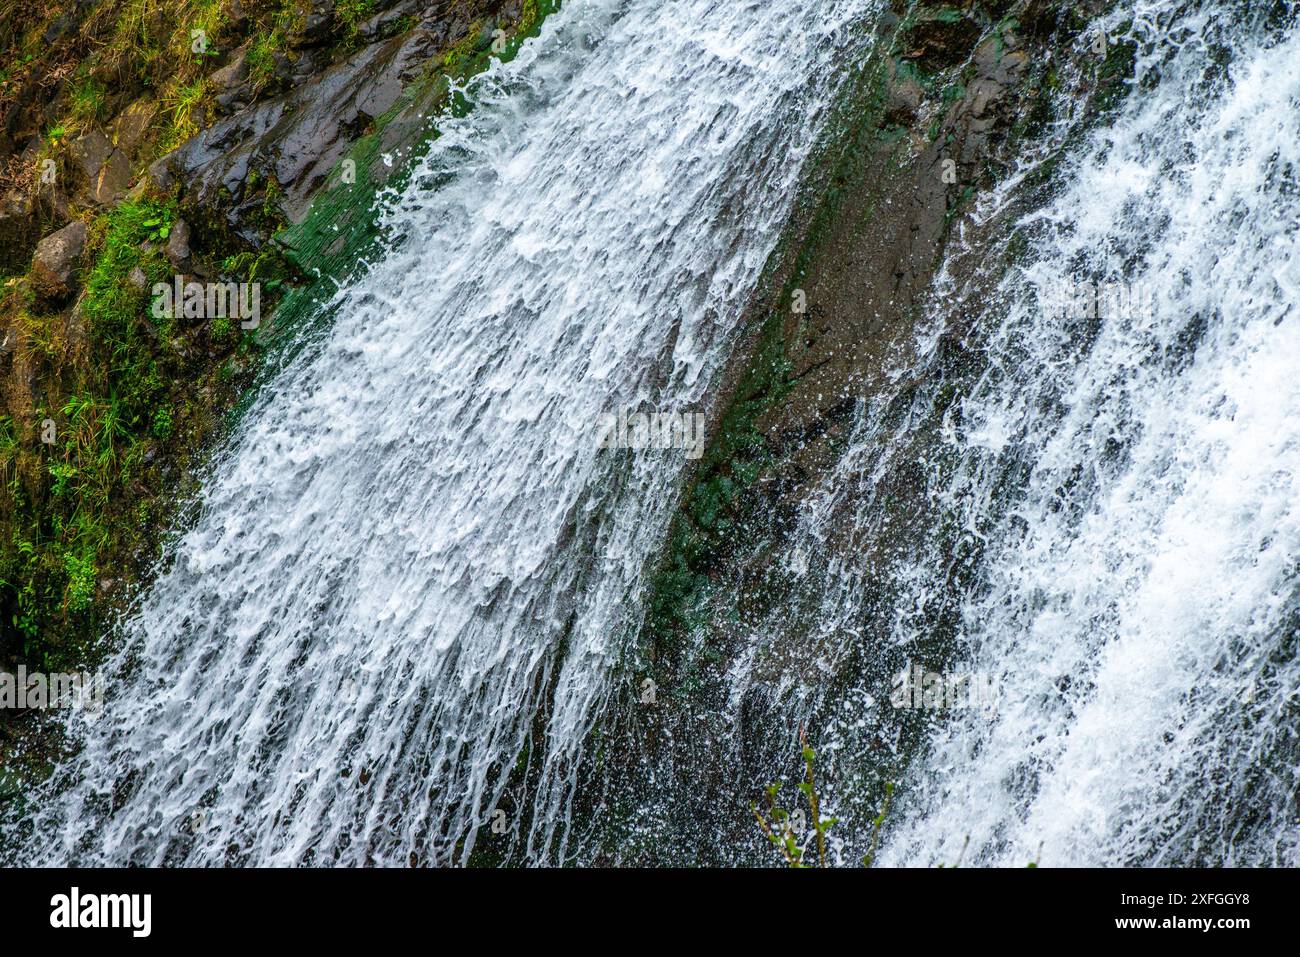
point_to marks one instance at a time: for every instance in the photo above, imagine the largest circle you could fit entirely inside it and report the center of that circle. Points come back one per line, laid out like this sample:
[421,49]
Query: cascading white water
[412,540]
[1139,595]
[1109,522]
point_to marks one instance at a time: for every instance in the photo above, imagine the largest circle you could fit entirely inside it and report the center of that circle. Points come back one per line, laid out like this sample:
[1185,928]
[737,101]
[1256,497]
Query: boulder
[56,260]
[106,168]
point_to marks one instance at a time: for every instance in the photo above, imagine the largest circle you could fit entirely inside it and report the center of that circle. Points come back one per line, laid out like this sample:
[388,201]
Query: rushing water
[413,541]
[1139,599]
[1111,504]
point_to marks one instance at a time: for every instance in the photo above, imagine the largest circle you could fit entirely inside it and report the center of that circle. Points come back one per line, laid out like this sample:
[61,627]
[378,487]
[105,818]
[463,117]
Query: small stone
[105,167]
[160,171]
[130,127]
[137,279]
[178,246]
[56,258]
[233,73]
[90,152]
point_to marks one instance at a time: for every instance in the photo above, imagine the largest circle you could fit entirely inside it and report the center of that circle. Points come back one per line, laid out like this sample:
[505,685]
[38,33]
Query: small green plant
[877,823]
[81,580]
[783,828]
[162,423]
[221,328]
[63,473]
[158,229]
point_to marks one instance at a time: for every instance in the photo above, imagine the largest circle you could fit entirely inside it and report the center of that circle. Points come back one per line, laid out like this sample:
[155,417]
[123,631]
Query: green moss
[705,527]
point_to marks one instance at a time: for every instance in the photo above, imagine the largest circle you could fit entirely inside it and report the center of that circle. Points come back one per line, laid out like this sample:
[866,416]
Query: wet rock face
[56,259]
[298,139]
[938,39]
[941,119]
[881,253]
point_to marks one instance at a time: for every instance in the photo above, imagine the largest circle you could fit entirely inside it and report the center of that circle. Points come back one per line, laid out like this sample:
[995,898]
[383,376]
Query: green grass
[87,101]
[352,13]
[86,508]
[185,113]
[261,58]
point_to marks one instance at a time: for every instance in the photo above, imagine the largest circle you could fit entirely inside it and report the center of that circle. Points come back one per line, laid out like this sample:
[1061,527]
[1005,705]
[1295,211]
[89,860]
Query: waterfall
[412,568]
[398,619]
[1110,495]
[1139,589]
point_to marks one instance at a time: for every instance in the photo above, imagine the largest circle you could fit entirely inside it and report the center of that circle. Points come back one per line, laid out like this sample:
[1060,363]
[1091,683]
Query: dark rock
[233,74]
[177,250]
[297,138]
[318,25]
[90,152]
[379,24]
[129,129]
[59,28]
[160,173]
[19,230]
[939,39]
[56,260]
[106,169]
[236,15]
